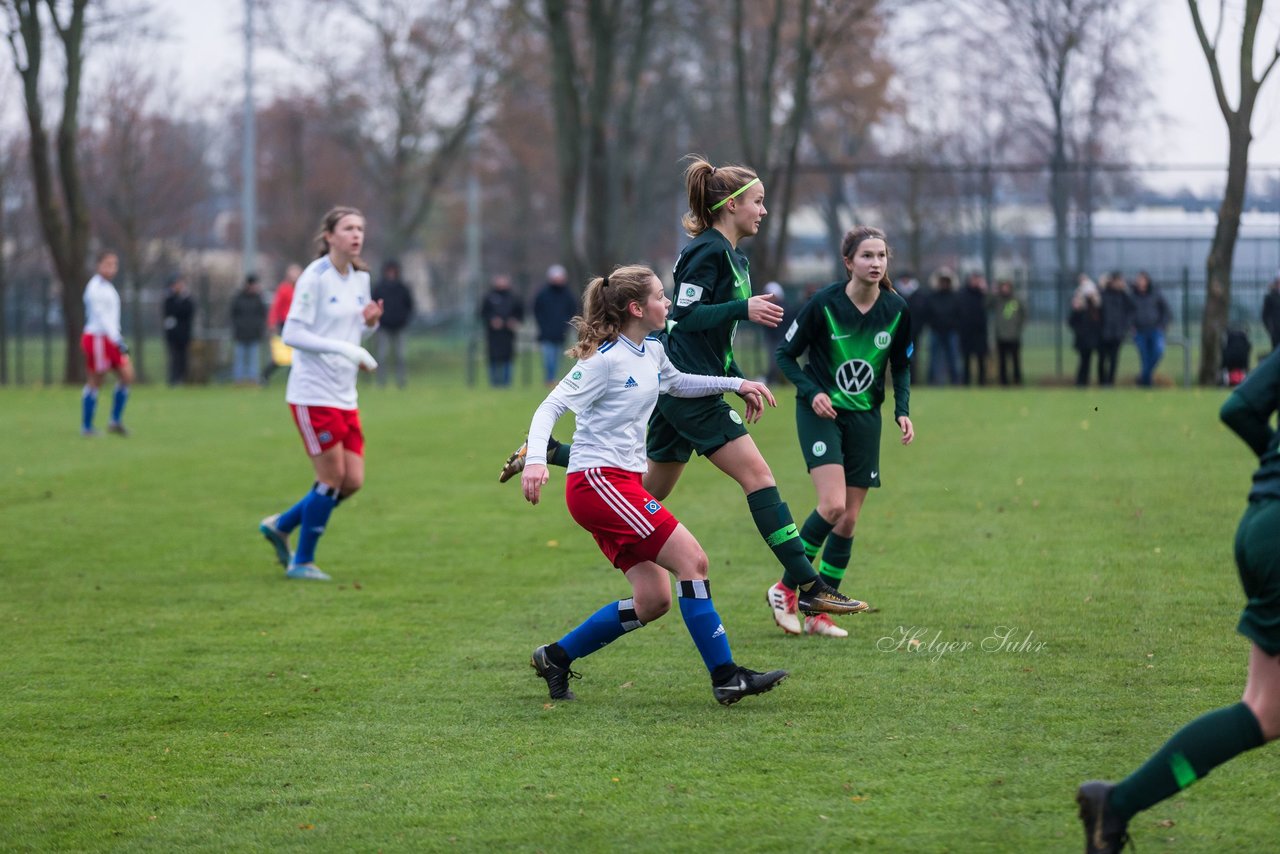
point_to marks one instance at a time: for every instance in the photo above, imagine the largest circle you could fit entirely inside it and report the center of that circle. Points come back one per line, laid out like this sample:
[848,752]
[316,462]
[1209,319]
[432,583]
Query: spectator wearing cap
[554,306]
[397,311]
[178,311]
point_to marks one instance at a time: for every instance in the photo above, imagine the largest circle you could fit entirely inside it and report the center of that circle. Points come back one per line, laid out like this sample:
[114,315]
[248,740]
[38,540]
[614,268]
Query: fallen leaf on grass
[857,799]
[1168,822]
[306,827]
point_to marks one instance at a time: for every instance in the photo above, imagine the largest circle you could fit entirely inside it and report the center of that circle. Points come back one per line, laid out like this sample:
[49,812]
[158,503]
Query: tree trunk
[1217,297]
[568,117]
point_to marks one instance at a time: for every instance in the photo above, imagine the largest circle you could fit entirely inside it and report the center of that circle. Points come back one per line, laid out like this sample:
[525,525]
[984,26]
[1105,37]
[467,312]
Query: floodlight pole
[249,177]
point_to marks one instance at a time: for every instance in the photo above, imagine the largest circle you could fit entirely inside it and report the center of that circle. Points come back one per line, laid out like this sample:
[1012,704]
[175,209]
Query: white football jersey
[612,393]
[330,305]
[102,309]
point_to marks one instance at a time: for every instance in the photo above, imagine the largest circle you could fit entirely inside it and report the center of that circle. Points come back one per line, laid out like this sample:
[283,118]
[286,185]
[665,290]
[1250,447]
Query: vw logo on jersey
[855,376]
[819,449]
[882,340]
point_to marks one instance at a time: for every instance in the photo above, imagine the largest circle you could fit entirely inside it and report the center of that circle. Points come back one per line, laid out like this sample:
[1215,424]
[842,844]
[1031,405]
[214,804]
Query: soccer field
[1064,556]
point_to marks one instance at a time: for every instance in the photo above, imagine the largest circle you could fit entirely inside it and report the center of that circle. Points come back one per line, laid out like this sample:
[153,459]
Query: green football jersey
[849,353]
[712,286]
[1248,412]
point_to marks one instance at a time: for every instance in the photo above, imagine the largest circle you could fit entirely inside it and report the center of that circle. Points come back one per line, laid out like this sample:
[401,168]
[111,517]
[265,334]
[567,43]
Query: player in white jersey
[331,314]
[612,391]
[104,347]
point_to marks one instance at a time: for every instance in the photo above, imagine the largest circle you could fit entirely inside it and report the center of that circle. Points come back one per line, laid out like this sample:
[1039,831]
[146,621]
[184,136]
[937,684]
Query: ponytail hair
[328,224]
[604,307]
[853,239]
[710,186]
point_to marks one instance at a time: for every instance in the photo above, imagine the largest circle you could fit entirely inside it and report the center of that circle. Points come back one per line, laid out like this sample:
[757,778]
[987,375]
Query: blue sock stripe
[315,516]
[88,403]
[695,589]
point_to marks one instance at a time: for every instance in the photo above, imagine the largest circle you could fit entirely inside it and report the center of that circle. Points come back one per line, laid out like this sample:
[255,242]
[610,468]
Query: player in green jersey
[1214,738]
[712,296]
[855,334]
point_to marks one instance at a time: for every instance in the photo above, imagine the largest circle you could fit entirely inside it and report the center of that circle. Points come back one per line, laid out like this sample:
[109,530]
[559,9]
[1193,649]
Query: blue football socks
[704,625]
[118,400]
[317,506]
[88,403]
[601,629]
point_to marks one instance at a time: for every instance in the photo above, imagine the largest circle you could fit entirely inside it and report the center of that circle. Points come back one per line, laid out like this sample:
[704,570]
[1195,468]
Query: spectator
[248,323]
[281,354]
[1271,312]
[917,298]
[1117,318]
[1086,322]
[553,308]
[397,311]
[944,331]
[179,311]
[1150,320]
[1010,318]
[502,313]
[973,328]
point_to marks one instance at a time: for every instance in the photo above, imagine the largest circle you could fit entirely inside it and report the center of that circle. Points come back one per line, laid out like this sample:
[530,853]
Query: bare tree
[64,213]
[599,62]
[146,178]
[1239,119]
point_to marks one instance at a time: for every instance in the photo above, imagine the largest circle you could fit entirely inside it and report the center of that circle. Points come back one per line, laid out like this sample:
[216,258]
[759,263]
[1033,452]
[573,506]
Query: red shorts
[629,525]
[100,353]
[322,427]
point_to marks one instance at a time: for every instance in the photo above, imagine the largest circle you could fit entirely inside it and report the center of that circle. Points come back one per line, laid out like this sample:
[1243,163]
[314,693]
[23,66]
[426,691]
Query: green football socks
[1193,752]
[777,527]
[835,559]
[813,533]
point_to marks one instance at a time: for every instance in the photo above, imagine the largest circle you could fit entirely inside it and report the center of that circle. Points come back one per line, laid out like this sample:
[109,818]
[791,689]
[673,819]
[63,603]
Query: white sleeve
[298,335]
[580,388]
[678,384]
[306,296]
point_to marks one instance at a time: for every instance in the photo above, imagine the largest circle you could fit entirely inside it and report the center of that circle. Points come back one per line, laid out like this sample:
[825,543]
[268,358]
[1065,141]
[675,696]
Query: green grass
[164,689]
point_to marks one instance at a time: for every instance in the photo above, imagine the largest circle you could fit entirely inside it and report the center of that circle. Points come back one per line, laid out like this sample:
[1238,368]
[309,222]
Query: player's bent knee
[831,511]
[1267,710]
[650,608]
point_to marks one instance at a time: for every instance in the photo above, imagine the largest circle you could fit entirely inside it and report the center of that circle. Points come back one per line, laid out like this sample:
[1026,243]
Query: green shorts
[851,440]
[681,425]
[1258,560]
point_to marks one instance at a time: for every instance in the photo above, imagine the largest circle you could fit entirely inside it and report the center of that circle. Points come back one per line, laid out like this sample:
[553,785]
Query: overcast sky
[207,51]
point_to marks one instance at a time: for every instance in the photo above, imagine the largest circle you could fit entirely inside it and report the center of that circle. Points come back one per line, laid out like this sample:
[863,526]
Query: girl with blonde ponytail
[612,390]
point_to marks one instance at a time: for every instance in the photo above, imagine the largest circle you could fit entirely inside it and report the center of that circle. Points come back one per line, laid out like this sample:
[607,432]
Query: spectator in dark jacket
[397,311]
[1010,318]
[1117,319]
[973,328]
[248,324]
[502,313]
[1086,322]
[917,297]
[553,308]
[179,312]
[1271,312]
[1150,320]
[944,331]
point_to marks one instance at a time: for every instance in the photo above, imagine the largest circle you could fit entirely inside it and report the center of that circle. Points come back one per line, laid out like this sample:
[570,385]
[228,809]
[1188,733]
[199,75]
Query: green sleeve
[1248,410]
[900,367]
[699,317]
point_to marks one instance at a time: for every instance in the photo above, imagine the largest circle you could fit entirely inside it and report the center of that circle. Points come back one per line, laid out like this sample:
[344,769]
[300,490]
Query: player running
[330,314]
[712,296]
[853,332]
[612,390]
[1212,739]
[104,347]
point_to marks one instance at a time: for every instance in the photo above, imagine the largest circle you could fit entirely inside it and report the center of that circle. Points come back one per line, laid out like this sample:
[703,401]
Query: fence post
[1186,326]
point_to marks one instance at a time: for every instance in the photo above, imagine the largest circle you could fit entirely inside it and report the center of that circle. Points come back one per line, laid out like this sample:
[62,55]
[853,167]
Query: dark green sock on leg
[1193,752]
[777,527]
[835,559]
[813,533]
